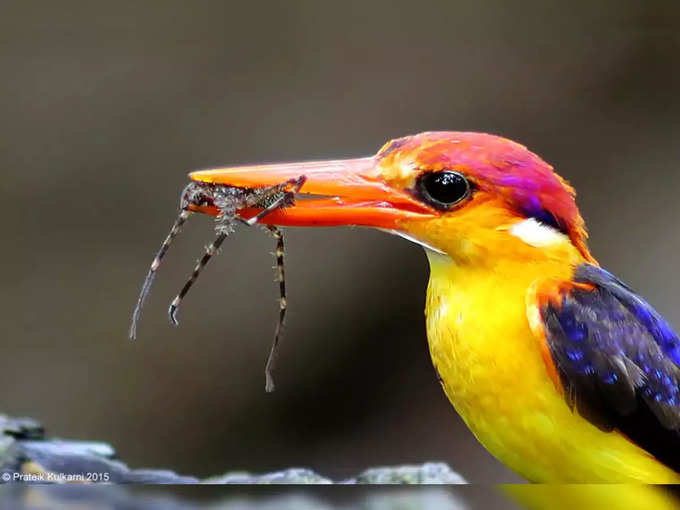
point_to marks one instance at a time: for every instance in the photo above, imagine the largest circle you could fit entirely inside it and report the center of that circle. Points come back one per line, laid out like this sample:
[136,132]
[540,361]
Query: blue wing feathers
[618,360]
[656,325]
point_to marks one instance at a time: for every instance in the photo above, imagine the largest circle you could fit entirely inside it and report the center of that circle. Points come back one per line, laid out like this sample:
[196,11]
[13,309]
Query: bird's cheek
[463,242]
[429,234]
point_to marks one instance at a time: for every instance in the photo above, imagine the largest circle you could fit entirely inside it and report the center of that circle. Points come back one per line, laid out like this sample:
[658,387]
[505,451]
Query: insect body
[226,202]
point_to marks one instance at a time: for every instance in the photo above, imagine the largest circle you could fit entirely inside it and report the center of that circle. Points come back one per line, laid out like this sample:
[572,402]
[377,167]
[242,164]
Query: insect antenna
[273,352]
[209,252]
[148,281]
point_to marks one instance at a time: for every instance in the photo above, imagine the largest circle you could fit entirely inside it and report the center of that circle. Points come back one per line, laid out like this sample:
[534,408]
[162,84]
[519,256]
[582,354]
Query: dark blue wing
[617,359]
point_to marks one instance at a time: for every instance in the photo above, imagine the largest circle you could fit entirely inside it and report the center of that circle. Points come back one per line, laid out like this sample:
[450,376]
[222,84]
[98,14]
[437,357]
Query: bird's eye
[444,189]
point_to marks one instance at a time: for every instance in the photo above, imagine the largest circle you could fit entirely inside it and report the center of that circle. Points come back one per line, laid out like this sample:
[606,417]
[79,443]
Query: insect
[227,200]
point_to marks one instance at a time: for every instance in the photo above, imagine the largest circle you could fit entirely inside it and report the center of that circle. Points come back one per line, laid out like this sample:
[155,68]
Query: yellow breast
[492,372]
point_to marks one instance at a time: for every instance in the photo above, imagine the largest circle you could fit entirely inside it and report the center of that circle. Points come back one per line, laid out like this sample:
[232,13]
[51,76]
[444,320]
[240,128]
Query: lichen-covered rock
[427,499]
[287,476]
[39,497]
[20,428]
[428,473]
[12,432]
[27,456]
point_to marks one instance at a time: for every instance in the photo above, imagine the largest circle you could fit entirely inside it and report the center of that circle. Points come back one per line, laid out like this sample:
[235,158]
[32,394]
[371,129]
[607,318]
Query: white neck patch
[537,234]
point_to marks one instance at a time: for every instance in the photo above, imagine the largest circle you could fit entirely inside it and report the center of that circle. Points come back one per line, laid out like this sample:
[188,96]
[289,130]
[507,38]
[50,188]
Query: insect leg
[148,281]
[271,359]
[209,252]
[284,198]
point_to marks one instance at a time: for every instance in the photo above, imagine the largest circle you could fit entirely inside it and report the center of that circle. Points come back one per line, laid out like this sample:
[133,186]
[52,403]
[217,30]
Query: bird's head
[472,196]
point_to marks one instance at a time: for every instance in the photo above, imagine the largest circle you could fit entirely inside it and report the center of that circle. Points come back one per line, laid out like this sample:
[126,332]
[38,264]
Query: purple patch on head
[533,203]
[515,181]
[532,209]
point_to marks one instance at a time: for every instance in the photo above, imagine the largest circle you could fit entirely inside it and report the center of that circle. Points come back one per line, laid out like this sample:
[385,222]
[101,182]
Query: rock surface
[52,497]
[27,456]
[34,469]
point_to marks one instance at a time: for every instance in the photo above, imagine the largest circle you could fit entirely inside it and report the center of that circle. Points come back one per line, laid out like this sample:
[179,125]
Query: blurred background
[105,107]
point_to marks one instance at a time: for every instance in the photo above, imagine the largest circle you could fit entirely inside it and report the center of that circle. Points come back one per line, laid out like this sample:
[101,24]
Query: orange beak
[353,191]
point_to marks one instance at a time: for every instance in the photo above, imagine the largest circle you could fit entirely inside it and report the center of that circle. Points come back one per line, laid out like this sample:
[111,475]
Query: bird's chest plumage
[492,371]
[481,345]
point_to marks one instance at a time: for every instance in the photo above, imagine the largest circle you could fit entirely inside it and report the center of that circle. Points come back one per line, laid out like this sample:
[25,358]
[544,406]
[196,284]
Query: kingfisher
[558,368]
